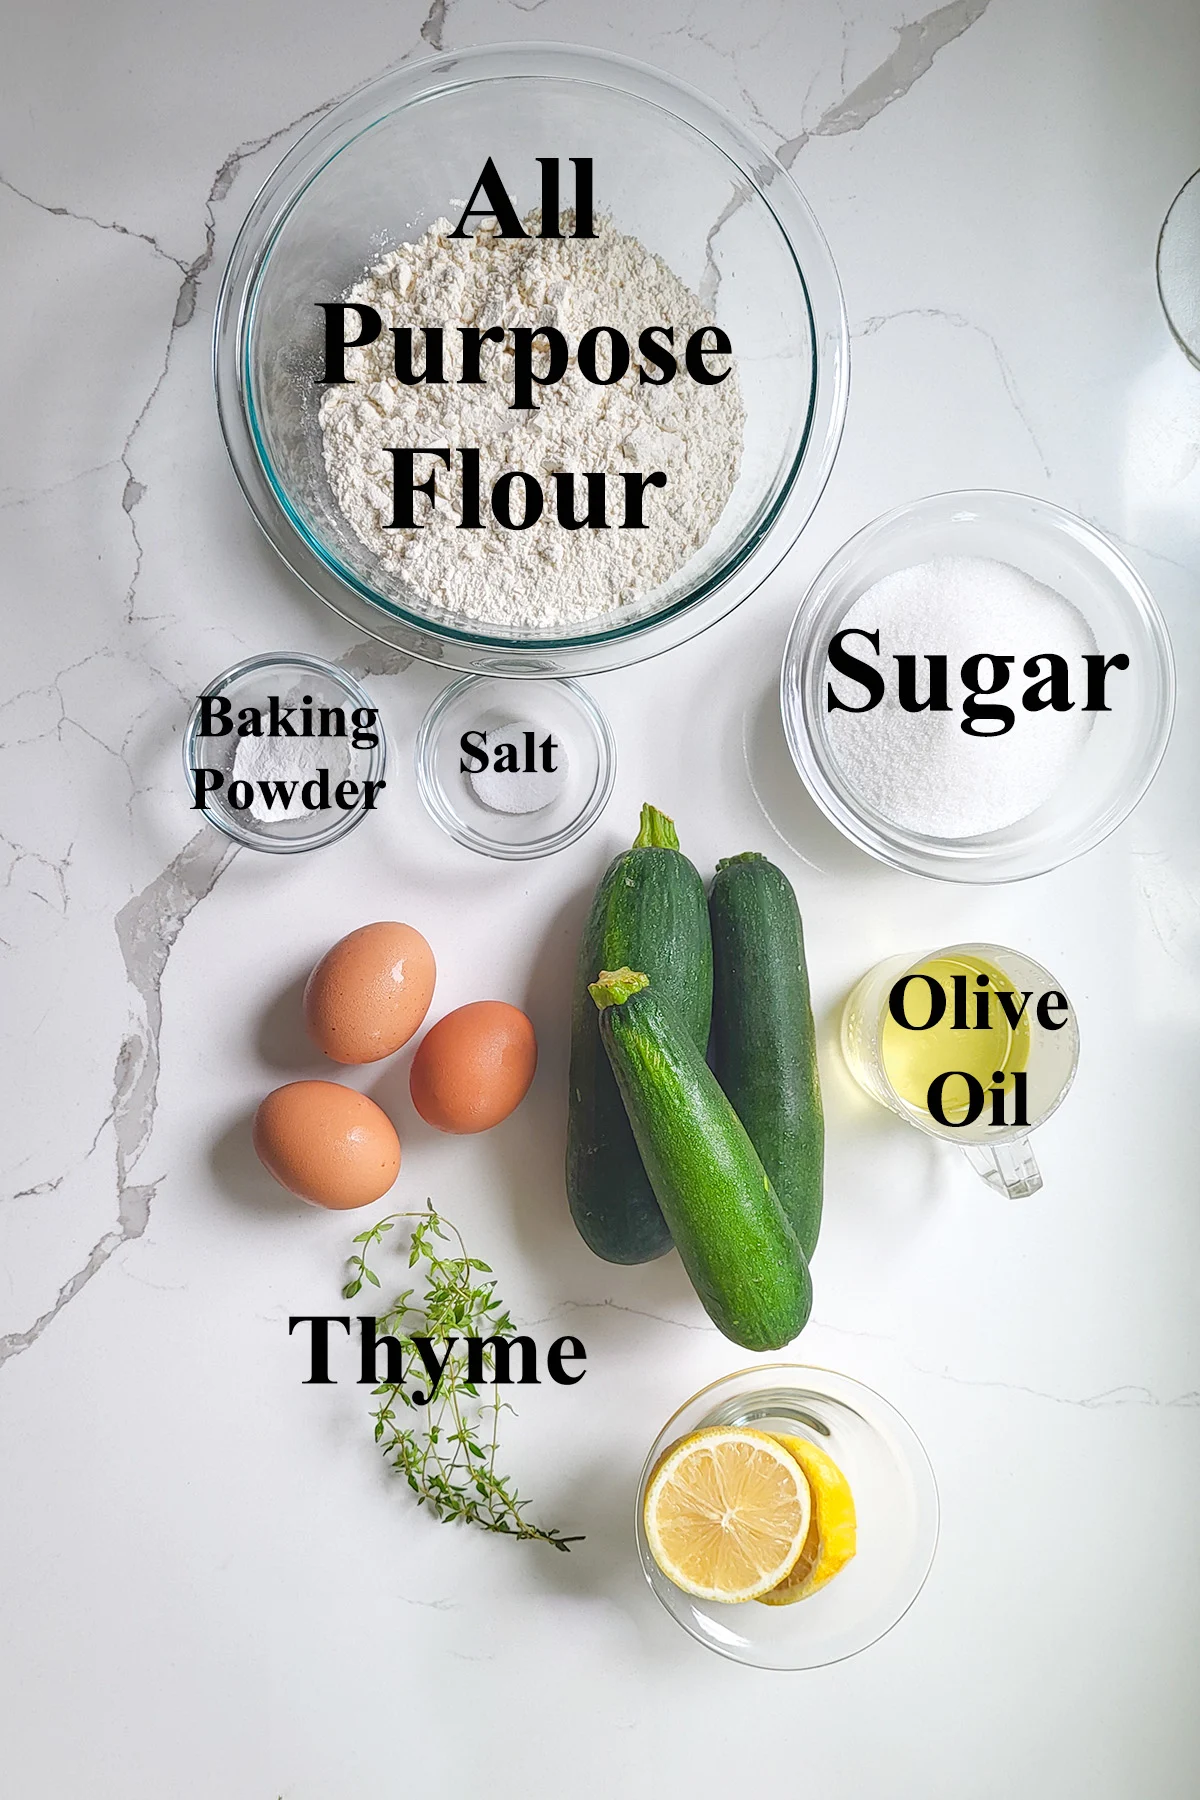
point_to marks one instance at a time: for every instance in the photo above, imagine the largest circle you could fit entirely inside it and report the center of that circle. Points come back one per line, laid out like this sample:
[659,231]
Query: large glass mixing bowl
[670,169]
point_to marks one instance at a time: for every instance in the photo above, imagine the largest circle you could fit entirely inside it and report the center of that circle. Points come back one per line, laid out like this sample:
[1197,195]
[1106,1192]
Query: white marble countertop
[210,1586]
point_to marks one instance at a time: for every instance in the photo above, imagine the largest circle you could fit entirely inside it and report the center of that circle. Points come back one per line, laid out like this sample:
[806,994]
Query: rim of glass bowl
[284,659]
[452,825]
[800,696]
[1190,350]
[373,613]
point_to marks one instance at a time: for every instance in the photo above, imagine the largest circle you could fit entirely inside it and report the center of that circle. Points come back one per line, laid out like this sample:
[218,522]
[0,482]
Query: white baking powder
[294,760]
[921,770]
[545,576]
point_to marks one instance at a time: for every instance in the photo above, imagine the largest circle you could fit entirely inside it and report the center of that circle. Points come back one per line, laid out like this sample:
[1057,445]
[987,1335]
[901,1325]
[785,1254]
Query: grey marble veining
[148,925]
[210,1587]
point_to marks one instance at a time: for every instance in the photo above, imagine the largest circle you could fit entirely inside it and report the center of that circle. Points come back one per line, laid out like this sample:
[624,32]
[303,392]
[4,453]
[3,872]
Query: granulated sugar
[921,770]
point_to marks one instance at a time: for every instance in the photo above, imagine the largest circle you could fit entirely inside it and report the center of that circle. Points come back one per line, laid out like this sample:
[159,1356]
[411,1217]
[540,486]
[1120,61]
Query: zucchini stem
[657,831]
[614,986]
[726,862]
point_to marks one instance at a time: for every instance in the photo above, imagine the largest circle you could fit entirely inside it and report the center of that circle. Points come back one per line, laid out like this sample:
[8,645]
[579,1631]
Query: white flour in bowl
[545,576]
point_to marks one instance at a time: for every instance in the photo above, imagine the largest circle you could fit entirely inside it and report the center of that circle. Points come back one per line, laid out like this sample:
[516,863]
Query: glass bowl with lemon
[787,1516]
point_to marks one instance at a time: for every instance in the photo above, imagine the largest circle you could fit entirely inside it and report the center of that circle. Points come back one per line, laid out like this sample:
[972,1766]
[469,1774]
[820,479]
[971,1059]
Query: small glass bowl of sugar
[515,769]
[977,687]
[284,753]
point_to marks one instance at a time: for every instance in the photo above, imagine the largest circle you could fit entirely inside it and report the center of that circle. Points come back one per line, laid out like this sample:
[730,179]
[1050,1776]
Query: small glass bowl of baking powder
[1035,547]
[515,770]
[284,753]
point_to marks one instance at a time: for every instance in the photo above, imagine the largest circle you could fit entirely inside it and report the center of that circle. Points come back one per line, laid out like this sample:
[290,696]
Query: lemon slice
[727,1513]
[832,1531]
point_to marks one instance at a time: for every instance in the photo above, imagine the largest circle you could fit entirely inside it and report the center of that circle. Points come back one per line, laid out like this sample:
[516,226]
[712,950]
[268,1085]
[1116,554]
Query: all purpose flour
[545,576]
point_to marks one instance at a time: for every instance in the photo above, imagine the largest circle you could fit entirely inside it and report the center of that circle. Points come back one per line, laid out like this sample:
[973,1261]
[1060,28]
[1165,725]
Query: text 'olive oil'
[955,1042]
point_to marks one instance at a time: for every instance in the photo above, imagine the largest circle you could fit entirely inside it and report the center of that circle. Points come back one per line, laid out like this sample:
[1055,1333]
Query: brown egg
[370,993]
[326,1143]
[474,1067]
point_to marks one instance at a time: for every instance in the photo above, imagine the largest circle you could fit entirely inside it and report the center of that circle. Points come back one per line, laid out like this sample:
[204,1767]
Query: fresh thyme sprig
[447,1449]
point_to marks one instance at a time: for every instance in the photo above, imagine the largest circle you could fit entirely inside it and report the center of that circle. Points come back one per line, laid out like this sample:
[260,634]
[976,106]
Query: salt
[520,790]
[921,770]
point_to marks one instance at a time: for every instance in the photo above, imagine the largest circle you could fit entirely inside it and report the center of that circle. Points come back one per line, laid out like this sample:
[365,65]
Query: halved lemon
[727,1513]
[833,1529]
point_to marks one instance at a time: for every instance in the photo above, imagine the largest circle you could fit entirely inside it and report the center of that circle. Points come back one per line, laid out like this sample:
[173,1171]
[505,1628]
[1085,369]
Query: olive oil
[975,1044]
[949,1037]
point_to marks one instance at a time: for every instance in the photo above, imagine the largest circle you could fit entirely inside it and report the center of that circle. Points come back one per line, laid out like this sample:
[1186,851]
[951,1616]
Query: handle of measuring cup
[1010,1169]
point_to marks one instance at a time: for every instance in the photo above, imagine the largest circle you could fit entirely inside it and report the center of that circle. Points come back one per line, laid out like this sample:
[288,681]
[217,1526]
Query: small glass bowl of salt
[977,687]
[515,769]
[286,752]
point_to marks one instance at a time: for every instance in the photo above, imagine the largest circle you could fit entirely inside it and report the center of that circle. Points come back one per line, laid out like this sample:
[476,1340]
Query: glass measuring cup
[981,1067]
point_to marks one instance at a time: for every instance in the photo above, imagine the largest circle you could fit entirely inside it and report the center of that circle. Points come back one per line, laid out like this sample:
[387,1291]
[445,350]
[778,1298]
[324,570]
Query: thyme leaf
[446,1450]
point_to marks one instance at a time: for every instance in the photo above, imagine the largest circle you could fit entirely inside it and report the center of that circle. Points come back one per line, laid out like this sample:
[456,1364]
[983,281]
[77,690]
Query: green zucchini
[763,1046]
[742,1256]
[649,910]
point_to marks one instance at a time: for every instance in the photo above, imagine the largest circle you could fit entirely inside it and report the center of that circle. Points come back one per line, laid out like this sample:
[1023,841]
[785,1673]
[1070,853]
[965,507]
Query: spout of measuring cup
[1009,1169]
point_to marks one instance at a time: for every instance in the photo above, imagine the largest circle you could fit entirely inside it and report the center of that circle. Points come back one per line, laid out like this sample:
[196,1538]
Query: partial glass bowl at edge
[896,1503]
[1116,764]
[672,170]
